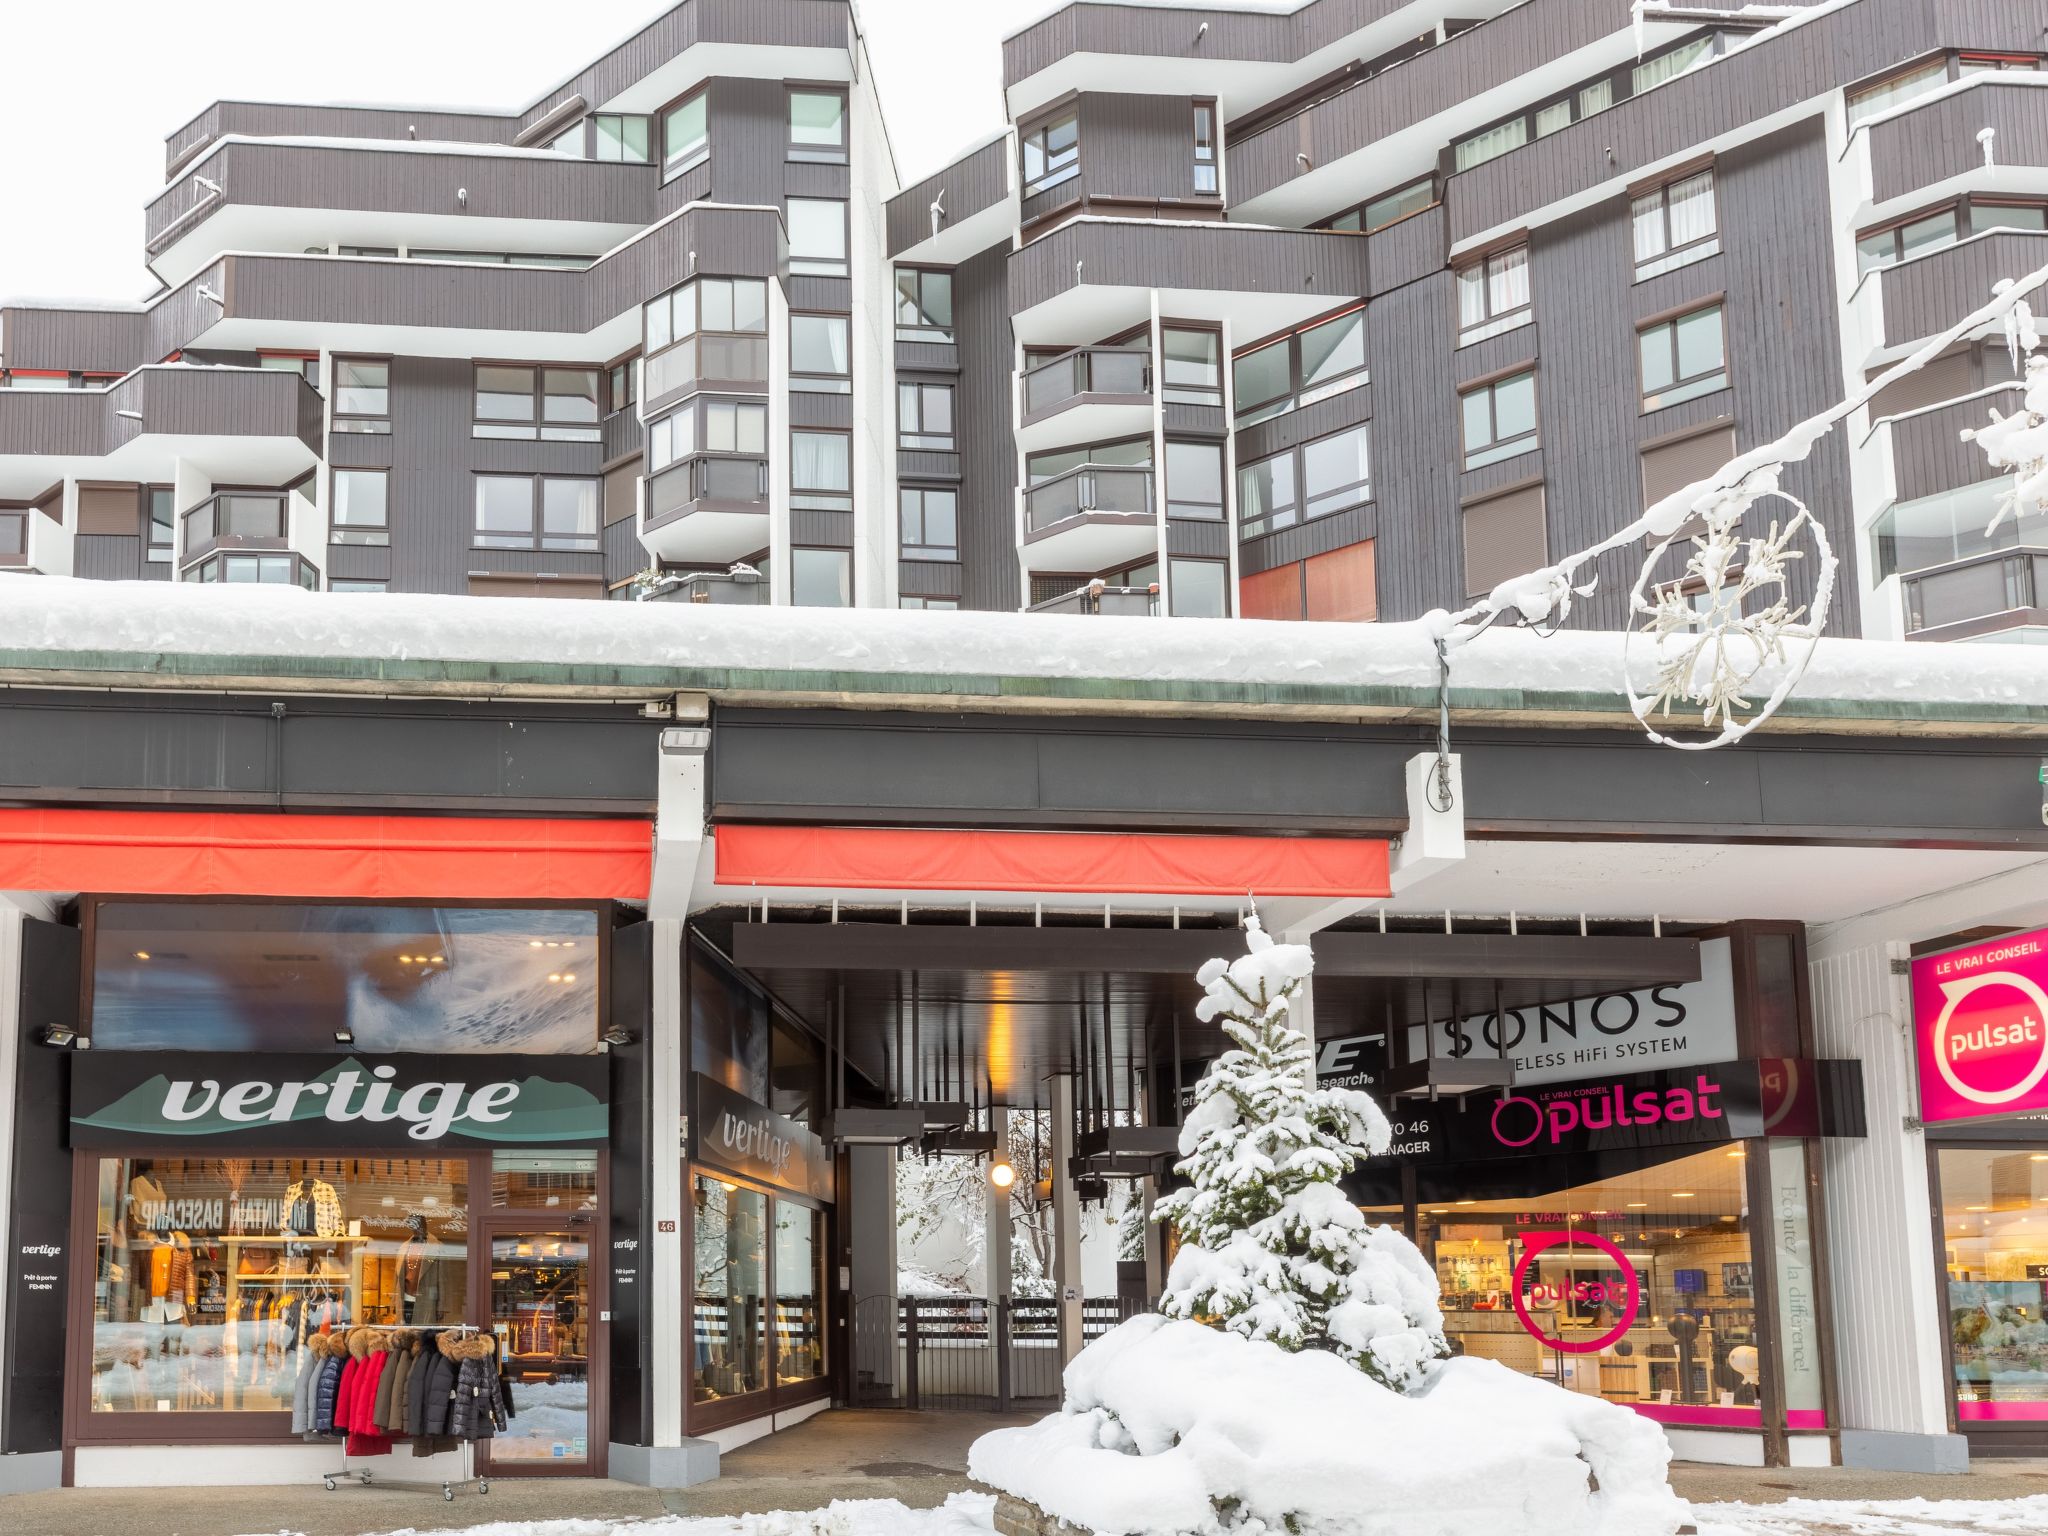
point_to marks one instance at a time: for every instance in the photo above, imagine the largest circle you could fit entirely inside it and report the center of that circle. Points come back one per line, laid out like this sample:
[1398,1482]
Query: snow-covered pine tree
[1270,1247]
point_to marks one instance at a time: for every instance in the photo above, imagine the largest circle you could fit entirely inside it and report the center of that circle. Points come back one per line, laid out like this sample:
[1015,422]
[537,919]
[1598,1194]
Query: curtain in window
[818,461]
[1492,144]
[1692,209]
[1508,276]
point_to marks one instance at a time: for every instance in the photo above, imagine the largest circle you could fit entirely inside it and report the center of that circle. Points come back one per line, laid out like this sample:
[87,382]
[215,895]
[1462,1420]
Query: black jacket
[324,1394]
[478,1411]
[432,1385]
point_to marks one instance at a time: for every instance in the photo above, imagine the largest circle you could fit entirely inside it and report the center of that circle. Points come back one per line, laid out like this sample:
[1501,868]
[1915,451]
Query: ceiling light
[1637,1205]
[1683,1194]
[142,954]
[1468,1202]
[1001,1175]
[1440,1211]
[568,975]
[1976,1207]
[554,975]
[405,959]
[1738,1152]
[533,944]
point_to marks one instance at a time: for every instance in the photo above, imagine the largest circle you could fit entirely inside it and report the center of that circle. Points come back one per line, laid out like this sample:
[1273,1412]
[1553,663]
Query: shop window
[1995,1253]
[729,1348]
[240,976]
[540,1313]
[555,1181]
[800,1357]
[210,1272]
[728,1021]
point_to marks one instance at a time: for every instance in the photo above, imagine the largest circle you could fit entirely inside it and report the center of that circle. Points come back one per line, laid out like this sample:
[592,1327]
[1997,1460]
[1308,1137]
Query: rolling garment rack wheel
[448,1493]
[483,1485]
[329,1482]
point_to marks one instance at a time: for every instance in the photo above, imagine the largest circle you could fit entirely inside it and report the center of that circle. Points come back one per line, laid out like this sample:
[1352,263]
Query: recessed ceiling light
[1976,1207]
[1682,1194]
[142,954]
[1637,1205]
[568,975]
[1468,1202]
[533,944]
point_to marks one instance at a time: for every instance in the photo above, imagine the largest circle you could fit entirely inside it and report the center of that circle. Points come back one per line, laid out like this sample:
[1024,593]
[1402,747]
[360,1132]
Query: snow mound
[963,1514]
[1176,1429]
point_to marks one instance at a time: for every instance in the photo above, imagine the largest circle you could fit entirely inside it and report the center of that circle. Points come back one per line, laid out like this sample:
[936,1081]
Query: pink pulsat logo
[1518,1121]
[1622,1296]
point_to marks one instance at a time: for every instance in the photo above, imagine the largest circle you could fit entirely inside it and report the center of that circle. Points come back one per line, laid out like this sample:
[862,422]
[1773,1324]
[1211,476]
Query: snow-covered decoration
[1744,638]
[2019,441]
[1270,1247]
[1172,1429]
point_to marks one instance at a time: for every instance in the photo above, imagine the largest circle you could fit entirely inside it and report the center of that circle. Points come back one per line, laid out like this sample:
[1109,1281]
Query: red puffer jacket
[369,1354]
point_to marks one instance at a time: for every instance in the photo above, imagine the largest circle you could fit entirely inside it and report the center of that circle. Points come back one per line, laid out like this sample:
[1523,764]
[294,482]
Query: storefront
[383,1123]
[1648,1237]
[1980,1023]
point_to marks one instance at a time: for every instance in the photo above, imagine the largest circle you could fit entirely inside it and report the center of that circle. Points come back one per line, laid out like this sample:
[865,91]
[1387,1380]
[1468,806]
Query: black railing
[1086,371]
[679,488]
[239,520]
[1089,488]
[962,1352]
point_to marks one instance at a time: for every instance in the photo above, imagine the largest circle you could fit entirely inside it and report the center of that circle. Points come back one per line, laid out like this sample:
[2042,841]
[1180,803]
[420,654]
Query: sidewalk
[916,1459]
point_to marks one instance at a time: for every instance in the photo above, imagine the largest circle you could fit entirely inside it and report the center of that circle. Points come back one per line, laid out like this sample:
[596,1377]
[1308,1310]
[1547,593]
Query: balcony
[710,360]
[14,539]
[976,209]
[1927,294]
[1936,141]
[246,520]
[743,586]
[709,511]
[1100,598]
[1985,597]
[284,568]
[1927,453]
[1091,394]
[1089,519]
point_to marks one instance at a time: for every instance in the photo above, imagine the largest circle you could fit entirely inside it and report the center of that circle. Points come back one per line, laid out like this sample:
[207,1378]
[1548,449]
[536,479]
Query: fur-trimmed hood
[470,1346]
[363,1342]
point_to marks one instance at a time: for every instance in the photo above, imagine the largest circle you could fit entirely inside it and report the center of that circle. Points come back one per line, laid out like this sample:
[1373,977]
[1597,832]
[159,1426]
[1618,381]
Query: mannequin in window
[411,1266]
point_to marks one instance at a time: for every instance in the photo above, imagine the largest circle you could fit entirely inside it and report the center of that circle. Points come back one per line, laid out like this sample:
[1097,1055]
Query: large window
[758,1289]
[799,1337]
[557,405]
[924,416]
[1499,419]
[821,470]
[1194,480]
[1283,374]
[1327,475]
[1052,152]
[163,523]
[1493,294]
[1193,360]
[1683,358]
[818,360]
[1932,229]
[1389,207]
[708,426]
[209,1273]
[924,304]
[1896,91]
[817,124]
[1199,589]
[362,507]
[821,578]
[711,328]
[1205,148]
[1675,224]
[1995,1252]
[622,139]
[536,512]
[362,395]
[817,236]
[685,134]
[929,522]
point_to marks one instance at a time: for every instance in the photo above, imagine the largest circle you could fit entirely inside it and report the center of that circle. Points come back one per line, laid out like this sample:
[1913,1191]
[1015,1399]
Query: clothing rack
[365,1477]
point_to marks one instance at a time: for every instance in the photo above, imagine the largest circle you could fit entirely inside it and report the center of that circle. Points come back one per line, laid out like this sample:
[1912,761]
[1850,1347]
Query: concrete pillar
[1000,1221]
[1066,1220]
[1155,1238]
[869,1208]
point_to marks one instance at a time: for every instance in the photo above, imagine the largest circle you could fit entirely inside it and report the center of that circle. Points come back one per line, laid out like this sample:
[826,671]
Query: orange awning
[414,858]
[1094,863]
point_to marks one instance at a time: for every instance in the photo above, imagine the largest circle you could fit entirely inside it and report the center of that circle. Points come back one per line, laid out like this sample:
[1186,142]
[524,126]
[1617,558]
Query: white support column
[680,816]
[1435,839]
[1000,1224]
[1066,1221]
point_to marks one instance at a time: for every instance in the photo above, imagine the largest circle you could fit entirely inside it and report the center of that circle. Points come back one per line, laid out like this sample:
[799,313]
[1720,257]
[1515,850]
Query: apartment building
[1242,313]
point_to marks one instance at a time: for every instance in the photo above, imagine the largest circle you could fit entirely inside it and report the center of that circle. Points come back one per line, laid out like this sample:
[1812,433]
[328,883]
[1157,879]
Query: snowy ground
[969,1514]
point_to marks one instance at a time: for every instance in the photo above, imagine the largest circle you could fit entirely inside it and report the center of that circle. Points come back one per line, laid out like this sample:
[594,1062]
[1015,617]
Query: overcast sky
[94,86]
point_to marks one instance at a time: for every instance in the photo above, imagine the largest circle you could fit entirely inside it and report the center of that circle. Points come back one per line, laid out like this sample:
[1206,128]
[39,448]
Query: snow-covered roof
[173,632]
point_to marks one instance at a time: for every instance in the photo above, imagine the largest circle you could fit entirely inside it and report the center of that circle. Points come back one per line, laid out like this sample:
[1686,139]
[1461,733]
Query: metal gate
[961,1353]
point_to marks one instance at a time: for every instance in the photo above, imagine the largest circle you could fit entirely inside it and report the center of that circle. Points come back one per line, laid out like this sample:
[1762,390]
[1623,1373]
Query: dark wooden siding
[1139,146]
[1928,454]
[270,119]
[970,184]
[1261,36]
[172,401]
[90,340]
[987,511]
[1415,449]
[1197,540]
[1219,257]
[749,140]
[1488,56]
[1802,64]
[1407,251]
[1937,141]
[107,557]
[1316,538]
[1931,293]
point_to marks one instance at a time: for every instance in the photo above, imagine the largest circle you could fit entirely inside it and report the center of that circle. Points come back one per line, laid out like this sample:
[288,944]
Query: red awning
[1095,863]
[414,858]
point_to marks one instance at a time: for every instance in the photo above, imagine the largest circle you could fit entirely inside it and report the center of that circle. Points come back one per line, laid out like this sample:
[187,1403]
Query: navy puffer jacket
[326,1391]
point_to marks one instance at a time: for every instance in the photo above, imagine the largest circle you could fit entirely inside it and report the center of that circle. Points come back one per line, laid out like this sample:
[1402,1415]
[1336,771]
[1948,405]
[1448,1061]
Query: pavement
[915,1458]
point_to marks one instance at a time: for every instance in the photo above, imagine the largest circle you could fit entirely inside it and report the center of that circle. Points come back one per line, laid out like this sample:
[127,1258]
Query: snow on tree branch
[1711,655]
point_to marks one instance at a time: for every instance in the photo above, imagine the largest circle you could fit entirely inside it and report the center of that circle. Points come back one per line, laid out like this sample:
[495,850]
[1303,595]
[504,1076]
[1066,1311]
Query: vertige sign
[1980,1020]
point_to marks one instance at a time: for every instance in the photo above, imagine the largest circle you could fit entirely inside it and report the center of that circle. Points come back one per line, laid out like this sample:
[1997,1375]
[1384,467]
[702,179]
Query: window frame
[1038,135]
[377,422]
[164,552]
[1206,127]
[1176,563]
[927,333]
[845,556]
[816,154]
[1221,504]
[809,381]
[1299,392]
[308,364]
[1497,449]
[922,549]
[1296,507]
[1358,213]
[821,498]
[1494,322]
[622,383]
[914,437]
[621,118]
[1682,387]
[537,428]
[537,535]
[375,535]
[696,154]
[1181,394]
[816,266]
[1670,256]
[1961,210]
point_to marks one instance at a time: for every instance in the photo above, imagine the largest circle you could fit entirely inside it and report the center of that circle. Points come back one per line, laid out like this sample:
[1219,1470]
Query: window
[535,512]
[1194,480]
[362,395]
[818,354]
[1985,217]
[265,570]
[735,426]
[501,258]
[1327,475]
[1683,359]
[1198,589]
[711,328]
[305,364]
[817,125]
[1266,497]
[1995,1255]
[163,524]
[1052,152]
[817,237]
[821,471]
[1654,72]
[1887,94]
[949,604]
[1389,208]
[1493,294]
[356,584]
[624,140]
[1915,237]
[1325,359]
[924,304]
[685,136]
[1205,148]
[1193,361]
[928,523]
[924,416]
[729,440]
[557,405]
[730,1294]
[362,507]
[1675,224]
[569,141]
[821,578]
[1491,144]
[1500,419]
[621,386]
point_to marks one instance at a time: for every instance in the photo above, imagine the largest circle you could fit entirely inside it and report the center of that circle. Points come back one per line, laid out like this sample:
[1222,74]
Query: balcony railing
[1118,488]
[1959,599]
[709,357]
[237,520]
[283,568]
[1086,371]
[13,538]
[1100,598]
[746,587]
[739,484]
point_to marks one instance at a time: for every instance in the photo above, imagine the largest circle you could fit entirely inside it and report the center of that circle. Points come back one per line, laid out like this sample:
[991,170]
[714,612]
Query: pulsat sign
[1980,1022]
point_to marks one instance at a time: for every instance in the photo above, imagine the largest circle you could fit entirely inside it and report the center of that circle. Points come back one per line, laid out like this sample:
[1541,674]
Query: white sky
[94,86]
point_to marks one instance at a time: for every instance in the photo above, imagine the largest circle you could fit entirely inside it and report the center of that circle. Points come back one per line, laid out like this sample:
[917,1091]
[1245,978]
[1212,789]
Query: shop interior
[1994,1225]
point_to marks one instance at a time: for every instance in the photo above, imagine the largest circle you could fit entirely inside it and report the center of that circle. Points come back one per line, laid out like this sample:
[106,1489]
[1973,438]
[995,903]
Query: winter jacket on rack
[439,1397]
[327,1390]
[302,1390]
[380,1409]
[416,1386]
[351,1372]
[369,1347]
[391,1390]
[478,1411]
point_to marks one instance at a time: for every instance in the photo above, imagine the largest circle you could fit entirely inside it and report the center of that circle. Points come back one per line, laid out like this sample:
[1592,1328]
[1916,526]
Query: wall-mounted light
[59,1035]
[617,1035]
[344,1037]
[1001,1174]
